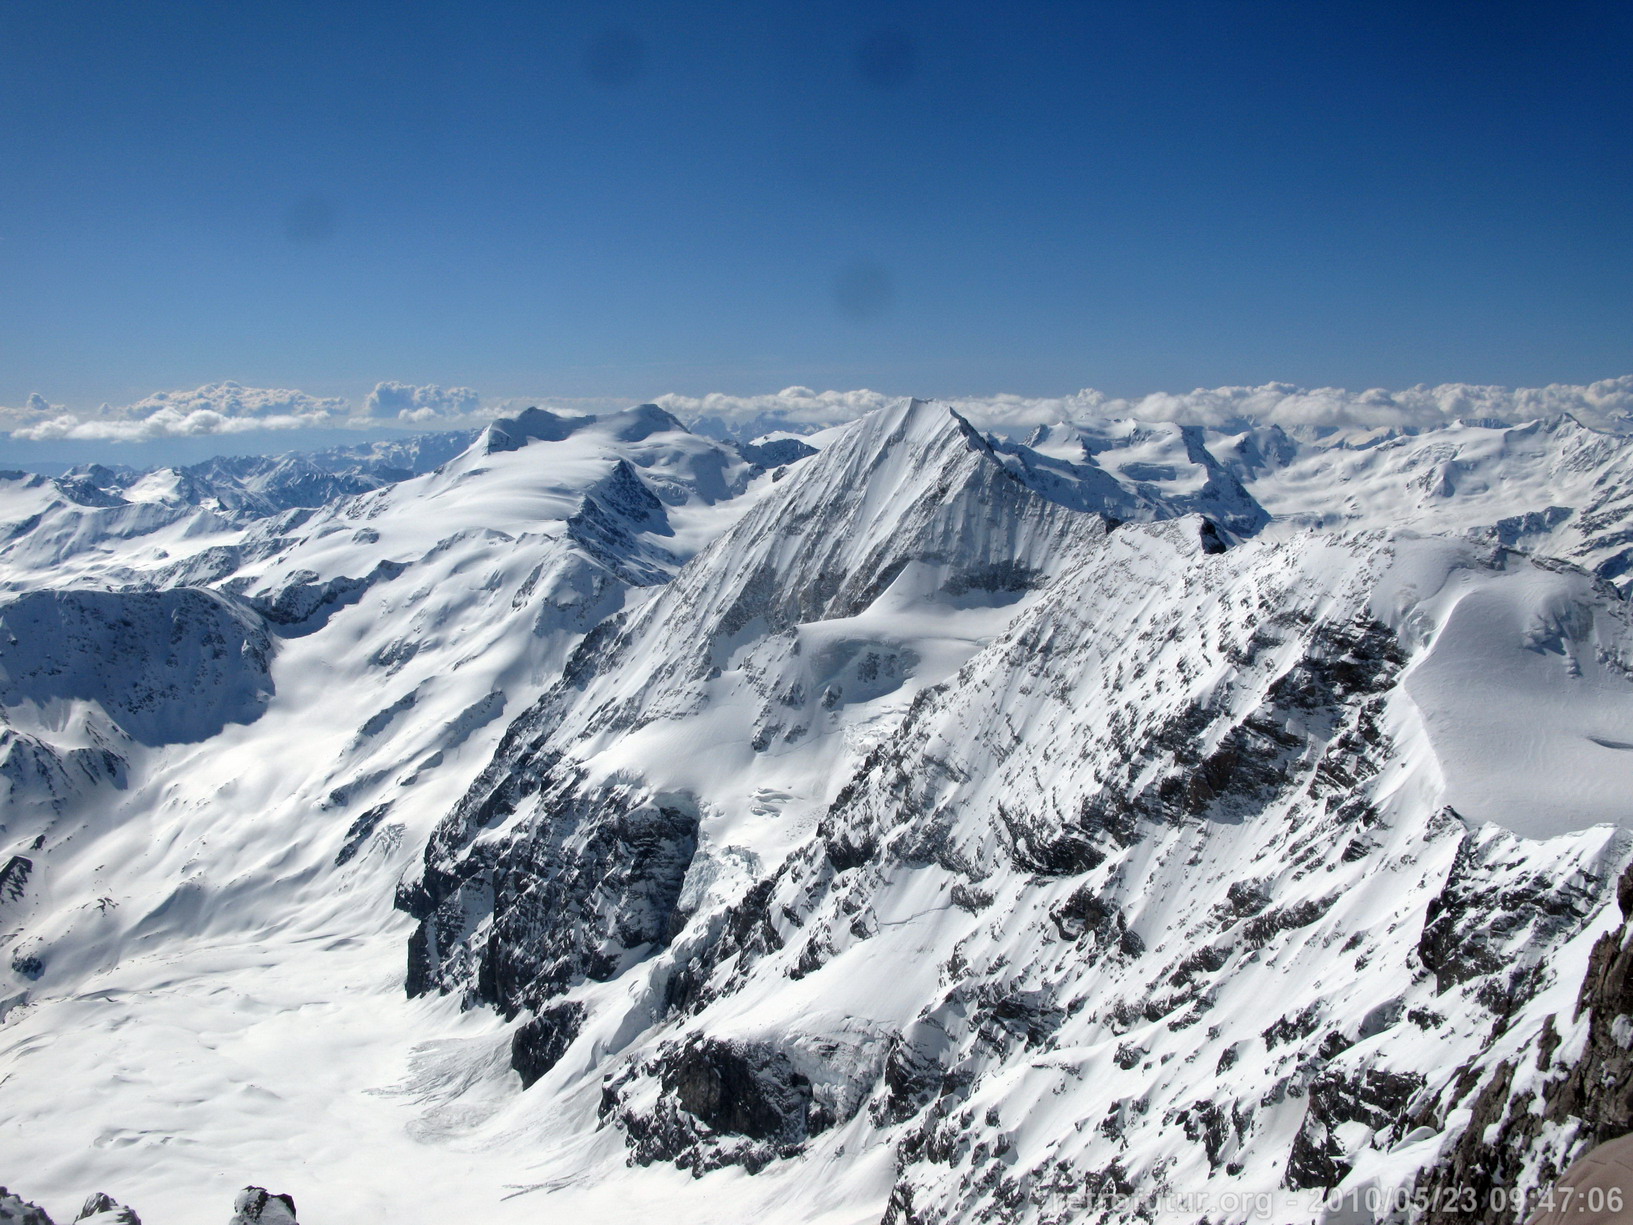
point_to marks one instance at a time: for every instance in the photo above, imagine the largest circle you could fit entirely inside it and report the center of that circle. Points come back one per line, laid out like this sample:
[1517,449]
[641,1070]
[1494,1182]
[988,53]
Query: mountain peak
[642,421]
[969,830]
[529,425]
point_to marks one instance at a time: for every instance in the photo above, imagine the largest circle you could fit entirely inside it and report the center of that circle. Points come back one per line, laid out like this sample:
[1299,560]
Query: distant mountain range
[903,824]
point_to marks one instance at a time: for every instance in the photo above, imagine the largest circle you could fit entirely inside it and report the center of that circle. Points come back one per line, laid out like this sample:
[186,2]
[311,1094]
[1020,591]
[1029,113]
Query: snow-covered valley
[906,825]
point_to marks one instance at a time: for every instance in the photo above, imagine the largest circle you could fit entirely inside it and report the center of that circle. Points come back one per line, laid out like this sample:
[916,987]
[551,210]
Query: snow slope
[910,826]
[1551,486]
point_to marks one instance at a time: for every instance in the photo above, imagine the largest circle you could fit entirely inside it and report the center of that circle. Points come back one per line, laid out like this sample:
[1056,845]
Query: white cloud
[793,408]
[217,408]
[1609,402]
[231,408]
[428,403]
[165,423]
[1605,403]
[232,400]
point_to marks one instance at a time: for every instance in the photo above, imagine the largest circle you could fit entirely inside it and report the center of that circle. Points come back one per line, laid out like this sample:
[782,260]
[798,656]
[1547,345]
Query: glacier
[901,824]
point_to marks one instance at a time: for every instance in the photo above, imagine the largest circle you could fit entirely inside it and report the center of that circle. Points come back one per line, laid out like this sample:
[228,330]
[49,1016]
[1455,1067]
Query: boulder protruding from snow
[258,1206]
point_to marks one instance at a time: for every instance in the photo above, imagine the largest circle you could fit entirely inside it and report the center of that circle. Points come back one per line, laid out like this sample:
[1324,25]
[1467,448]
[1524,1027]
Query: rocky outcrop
[257,1206]
[539,1042]
[103,1209]
[718,1102]
[1494,912]
[14,1210]
[579,895]
[303,603]
[1373,1097]
[1528,1121]
[253,1206]
[613,514]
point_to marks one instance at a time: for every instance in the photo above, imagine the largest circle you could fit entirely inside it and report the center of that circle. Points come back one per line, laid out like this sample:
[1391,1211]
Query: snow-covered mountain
[47,522]
[896,825]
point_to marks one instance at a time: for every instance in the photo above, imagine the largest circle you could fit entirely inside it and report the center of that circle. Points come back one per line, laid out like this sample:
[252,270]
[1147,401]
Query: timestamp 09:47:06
[1470,1201]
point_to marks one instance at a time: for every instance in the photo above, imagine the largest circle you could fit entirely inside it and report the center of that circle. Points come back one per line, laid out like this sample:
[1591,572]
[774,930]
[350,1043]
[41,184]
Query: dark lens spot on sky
[615,58]
[886,59]
[864,291]
[309,220]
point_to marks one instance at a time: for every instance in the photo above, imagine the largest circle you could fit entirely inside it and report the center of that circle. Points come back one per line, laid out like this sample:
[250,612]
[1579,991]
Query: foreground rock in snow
[257,1206]
[1529,1118]
[14,1210]
[102,1209]
[254,1206]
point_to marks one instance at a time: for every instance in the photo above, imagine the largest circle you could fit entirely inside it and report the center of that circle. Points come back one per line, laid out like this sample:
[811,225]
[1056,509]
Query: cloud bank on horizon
[230,408]
[1607,403]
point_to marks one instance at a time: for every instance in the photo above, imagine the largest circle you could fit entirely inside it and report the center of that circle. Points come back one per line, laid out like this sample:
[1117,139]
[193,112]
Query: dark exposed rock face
[1086,916]
[913,1072]
[529,425]
[1586,1098]
[776,453]
[33,771]
[747,931]
[304,603]
[253,1206]
[740,1090]
[1330,695]
[1488,913]
[14,877]
[720,1102]
[1373,1096]
[577,896]
[612,517]
[360,831]
[539,1043]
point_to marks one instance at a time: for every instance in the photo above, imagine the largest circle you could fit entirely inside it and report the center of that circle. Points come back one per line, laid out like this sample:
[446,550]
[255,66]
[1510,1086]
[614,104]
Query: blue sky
[622,200]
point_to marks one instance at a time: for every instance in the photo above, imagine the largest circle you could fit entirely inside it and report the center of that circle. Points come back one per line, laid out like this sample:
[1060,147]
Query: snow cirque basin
[1525,689]
[929,828]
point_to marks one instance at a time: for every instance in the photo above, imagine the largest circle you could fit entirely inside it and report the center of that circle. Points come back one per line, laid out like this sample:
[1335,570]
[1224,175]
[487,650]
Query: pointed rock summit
[103,1209]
